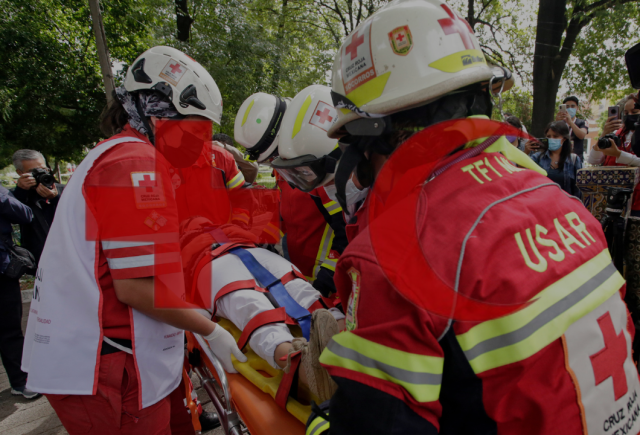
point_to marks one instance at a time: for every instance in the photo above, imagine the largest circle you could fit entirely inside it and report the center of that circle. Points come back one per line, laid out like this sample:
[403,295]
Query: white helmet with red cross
[307,156]
[257,125]
[408,54]
[180,78]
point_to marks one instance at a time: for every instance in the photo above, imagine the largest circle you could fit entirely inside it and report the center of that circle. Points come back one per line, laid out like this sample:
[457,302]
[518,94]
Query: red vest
[498,235]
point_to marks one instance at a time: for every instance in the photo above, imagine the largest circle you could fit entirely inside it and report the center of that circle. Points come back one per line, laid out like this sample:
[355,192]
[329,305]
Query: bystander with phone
[579,128]
[622,127]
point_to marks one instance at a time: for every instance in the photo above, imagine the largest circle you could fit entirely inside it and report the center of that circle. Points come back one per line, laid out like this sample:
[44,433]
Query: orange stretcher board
[257,408]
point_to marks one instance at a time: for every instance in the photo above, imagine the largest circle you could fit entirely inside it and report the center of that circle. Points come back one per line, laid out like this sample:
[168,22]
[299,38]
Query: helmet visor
[305,172]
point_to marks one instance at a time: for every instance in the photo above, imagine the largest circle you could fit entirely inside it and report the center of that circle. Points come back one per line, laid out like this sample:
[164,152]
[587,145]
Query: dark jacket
[34,234]
[12,211]
[570,170]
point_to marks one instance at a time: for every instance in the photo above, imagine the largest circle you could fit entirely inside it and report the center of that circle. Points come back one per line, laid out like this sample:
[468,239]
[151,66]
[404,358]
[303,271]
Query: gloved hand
[223,345]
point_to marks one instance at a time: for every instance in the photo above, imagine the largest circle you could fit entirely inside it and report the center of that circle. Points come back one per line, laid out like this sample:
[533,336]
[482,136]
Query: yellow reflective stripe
[420,375]
[332,207]
[369,91]
[241,217]
[236,181]
[272,230]
[317,426]
[519,335]
[458,61]
[329,264]
[246,114]
[303,110]
[325,248]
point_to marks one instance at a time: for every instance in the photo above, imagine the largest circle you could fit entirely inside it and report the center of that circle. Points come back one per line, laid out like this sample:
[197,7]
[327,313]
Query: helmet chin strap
[349,161]
[145,121]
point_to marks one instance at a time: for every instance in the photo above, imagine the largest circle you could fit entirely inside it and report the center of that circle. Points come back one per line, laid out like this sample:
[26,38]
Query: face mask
[510,138]
[554,144]
[353,194]
[630,121]
[572,112]
[181,142]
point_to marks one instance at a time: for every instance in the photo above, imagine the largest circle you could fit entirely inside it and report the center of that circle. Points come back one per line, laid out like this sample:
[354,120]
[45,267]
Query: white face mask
[353,196]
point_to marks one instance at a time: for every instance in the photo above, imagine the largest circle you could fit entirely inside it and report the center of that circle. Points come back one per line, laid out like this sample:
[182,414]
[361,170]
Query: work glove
[223,345]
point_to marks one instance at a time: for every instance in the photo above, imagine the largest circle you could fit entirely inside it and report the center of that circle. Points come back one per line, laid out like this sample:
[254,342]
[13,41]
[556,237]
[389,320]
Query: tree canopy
[51,91]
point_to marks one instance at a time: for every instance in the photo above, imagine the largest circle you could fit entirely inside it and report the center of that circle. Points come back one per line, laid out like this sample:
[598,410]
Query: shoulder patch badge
[148,190]
[401,40]
[352,307]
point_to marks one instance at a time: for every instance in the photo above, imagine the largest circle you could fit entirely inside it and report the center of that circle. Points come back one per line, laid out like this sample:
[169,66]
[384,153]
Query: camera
[617,198]
[42,176]
[604,143]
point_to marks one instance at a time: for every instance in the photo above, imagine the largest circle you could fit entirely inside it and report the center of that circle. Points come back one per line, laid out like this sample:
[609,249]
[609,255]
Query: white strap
[117,346]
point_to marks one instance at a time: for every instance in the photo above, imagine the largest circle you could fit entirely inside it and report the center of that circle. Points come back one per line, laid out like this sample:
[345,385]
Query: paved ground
[19,416]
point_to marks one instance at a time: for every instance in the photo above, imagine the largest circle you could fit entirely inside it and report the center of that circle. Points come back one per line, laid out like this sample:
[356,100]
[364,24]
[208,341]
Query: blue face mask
[555,144]
[572,112]
[511,138]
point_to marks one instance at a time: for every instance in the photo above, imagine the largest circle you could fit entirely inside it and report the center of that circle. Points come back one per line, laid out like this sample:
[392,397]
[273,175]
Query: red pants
[114,409]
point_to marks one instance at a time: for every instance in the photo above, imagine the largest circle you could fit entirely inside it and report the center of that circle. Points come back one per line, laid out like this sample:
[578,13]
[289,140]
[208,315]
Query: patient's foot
[323,327]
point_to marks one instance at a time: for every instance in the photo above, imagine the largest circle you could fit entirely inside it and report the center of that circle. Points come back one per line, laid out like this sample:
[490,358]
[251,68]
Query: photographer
[11,338]
[37,189]
[579,127]
[623,130]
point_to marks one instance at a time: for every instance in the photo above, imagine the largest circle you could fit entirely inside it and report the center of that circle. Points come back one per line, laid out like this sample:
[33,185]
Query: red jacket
[315,238]
[562,364]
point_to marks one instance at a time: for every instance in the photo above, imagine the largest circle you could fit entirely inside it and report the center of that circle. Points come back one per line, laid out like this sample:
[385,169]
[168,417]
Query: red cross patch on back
[607,363]
[324,115]
[148,190]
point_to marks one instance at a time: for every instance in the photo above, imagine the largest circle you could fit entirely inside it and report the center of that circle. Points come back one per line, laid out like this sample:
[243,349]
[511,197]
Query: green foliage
[597,68]
[518,102]
[51,91]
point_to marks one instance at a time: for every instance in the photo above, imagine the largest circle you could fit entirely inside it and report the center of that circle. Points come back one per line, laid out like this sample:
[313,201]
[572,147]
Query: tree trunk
[471,14]
[103,51]
[183,20]
[546,77]
[280,49]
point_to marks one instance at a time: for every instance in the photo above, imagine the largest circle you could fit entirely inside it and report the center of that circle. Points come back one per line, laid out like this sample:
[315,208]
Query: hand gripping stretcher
[259,393]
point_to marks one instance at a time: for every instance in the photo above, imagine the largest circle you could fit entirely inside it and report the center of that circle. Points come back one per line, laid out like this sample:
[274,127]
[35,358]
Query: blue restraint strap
[275,287]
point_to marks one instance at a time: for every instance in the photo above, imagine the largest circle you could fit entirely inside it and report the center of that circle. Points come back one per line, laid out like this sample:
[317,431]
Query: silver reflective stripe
[544,317]
[403,375]
[143,260]
[324,249]
[117,346]
[129,262]
[333,208]
[473,228]
[319,427]
[106,244]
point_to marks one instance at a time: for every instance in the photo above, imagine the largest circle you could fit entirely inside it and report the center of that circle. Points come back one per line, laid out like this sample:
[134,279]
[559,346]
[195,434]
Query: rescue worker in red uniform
[538,339]
[312,221]
[101,346]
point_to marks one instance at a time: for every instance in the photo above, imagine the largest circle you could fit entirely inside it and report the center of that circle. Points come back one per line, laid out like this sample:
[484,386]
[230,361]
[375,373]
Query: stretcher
[249,394]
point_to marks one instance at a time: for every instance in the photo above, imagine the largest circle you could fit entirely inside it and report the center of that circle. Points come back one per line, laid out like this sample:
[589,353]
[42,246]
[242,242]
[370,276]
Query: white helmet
[407,54]
[307,156]
[257,124]
[183,80]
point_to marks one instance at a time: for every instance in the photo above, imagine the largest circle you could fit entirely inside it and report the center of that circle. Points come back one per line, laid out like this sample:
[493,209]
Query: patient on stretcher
[237,295]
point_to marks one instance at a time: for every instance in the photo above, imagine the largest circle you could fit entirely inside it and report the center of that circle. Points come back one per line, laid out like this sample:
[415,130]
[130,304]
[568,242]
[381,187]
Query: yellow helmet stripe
[246,114]
[303,111]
